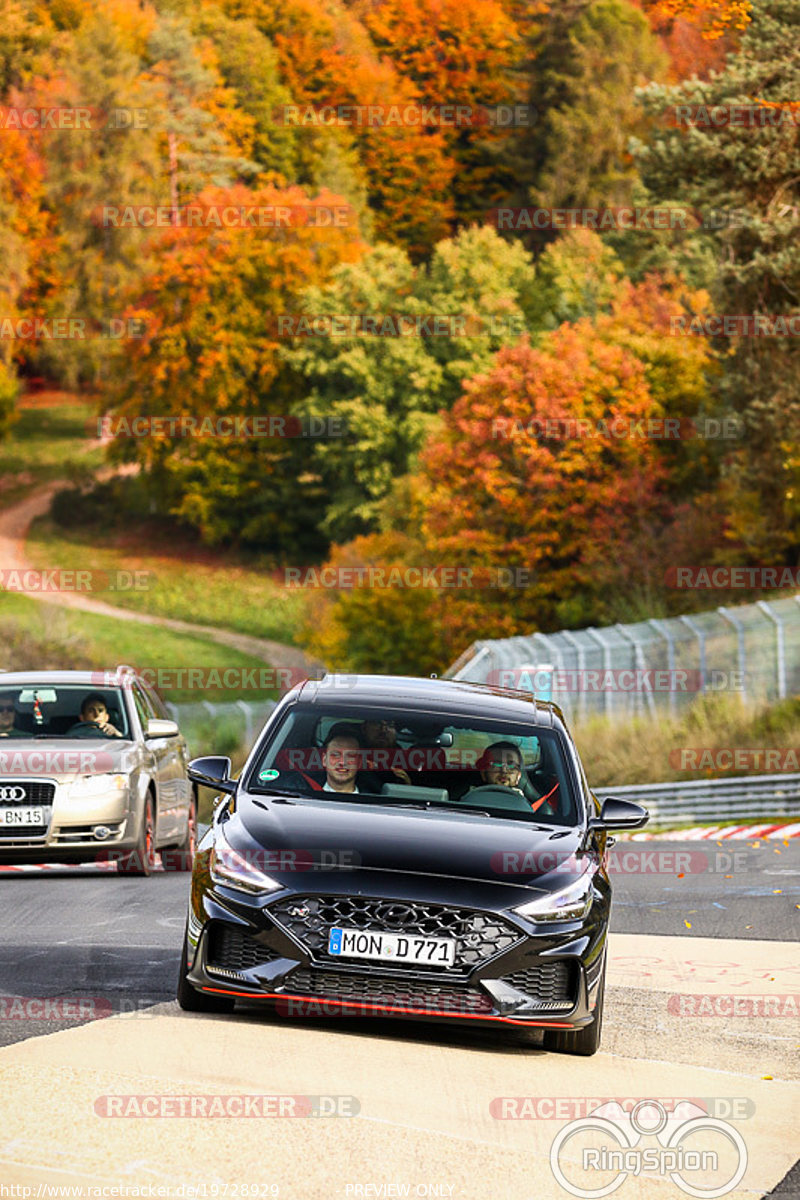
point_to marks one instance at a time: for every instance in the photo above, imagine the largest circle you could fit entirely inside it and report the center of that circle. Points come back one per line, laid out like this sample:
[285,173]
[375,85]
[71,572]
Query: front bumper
[67,832]
[545,980]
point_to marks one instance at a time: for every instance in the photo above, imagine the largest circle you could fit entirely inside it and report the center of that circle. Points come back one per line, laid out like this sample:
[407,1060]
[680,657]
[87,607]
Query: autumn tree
[327,58]
[464,53]
[387,384]
[210,349]
[743,180]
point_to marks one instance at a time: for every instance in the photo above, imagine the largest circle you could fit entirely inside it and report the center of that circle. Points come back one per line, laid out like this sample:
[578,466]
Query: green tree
[249,65]
[587,56]
[388,390]
[744,181]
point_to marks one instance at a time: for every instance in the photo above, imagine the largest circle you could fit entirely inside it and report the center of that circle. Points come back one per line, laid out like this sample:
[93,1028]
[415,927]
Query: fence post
[248,721]
[737,625]
[701,648]
[592,632]
[581,653]
[670,640]
[780,646]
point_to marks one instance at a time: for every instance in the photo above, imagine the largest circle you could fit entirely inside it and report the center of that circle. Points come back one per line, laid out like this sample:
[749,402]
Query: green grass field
[654,751]
[50,440]
[36,635]
[183,582]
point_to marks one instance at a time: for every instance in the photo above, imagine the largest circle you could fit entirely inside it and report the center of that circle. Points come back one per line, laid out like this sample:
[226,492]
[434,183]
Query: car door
[158,753]
[176,784]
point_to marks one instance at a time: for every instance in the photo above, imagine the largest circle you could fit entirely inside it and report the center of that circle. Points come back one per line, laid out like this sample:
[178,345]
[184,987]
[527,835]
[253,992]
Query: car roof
[425,695]
[92,679]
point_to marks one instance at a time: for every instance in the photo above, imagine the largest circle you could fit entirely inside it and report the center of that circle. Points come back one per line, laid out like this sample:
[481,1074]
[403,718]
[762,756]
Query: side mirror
[158,728]
[214,772]
[620,814]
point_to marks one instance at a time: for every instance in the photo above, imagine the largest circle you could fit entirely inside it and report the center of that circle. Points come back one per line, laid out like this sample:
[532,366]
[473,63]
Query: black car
[420,848]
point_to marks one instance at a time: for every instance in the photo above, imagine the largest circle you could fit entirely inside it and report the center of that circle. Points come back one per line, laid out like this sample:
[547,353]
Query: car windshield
[467,764]
[62,711]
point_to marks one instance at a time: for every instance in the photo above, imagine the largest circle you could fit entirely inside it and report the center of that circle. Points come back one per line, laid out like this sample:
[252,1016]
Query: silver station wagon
[92,769]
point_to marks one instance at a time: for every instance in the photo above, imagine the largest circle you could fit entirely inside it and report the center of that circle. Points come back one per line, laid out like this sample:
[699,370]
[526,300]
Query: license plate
[392,947]
[22,816]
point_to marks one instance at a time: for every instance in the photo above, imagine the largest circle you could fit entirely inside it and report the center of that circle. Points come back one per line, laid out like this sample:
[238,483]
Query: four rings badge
[11,793]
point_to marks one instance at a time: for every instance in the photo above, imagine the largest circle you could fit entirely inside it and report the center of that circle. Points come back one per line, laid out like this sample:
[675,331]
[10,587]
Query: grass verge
[688,746]
[39,636]
[185,581]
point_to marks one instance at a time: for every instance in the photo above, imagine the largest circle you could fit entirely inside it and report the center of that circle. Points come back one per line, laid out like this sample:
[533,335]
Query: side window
[156,703]
[143,706]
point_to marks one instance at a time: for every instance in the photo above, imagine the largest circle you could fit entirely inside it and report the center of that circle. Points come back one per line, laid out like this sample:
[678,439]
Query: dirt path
[14,525]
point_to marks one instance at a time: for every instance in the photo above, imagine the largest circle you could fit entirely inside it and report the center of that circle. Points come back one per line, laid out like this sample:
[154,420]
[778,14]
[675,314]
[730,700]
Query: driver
[501,764]
[95,713]
[8,716]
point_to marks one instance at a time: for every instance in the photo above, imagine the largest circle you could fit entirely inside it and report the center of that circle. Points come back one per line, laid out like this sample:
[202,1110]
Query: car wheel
[583,1041]
[181,857]
[190,999]
[142,860]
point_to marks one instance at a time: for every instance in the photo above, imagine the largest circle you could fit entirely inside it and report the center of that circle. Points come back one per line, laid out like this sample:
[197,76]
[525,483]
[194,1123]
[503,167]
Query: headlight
[93,785]
[230,867]
[570,904]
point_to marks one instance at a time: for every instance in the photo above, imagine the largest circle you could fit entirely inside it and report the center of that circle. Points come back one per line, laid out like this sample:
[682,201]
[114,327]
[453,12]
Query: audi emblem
[9,794]
[395,915]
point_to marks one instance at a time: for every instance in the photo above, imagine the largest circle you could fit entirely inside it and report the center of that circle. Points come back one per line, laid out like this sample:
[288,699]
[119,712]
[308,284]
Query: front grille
[424,997]
[232,949]
[479,935]
[551,984]
[35,793]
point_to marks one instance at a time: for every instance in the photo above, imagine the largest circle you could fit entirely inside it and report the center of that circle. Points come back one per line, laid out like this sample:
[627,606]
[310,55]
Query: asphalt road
[109,944]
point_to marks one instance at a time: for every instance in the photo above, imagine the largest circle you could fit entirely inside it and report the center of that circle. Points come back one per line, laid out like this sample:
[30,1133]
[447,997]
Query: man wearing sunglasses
[501,764]
[8,716]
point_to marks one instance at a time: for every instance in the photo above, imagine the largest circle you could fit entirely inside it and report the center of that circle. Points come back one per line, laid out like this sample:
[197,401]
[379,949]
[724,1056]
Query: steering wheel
[86,725]
[499,795]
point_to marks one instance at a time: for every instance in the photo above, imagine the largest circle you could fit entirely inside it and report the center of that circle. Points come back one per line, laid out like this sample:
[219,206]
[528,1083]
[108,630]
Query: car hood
[309,834]
[65,759]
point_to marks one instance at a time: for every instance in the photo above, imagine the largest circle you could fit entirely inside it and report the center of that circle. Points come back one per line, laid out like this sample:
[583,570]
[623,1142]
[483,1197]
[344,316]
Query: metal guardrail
[746,797]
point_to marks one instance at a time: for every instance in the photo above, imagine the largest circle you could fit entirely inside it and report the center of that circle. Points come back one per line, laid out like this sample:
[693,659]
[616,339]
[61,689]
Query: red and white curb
[84,868]
[719,833]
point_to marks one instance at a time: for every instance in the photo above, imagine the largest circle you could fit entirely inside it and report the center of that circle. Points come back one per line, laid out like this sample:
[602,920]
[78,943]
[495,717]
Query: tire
[191,1000]
[181,857]
[584,1041]
[142,860]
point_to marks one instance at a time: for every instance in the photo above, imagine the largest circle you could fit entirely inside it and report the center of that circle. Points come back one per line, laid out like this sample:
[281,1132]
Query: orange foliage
[327,58]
